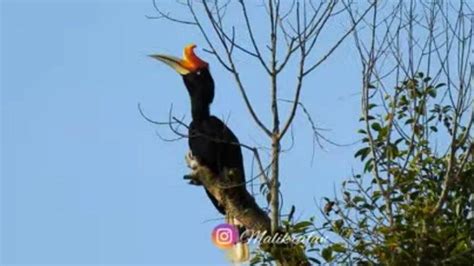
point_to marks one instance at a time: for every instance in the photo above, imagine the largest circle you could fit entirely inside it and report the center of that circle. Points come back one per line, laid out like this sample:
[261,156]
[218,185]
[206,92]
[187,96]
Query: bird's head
[194,70]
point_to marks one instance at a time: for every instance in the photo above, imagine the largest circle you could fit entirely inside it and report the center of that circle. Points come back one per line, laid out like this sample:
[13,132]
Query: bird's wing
[228,149]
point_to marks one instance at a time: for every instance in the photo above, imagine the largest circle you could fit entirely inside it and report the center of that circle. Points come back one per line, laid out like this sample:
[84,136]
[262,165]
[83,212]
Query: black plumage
[211,142]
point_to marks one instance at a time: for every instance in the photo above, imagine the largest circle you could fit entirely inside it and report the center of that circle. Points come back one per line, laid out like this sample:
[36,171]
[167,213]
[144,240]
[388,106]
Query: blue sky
[85,180]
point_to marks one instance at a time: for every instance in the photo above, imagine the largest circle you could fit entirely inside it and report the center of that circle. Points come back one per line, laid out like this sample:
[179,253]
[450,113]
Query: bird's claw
[192,180]
[191,161]
[193,164]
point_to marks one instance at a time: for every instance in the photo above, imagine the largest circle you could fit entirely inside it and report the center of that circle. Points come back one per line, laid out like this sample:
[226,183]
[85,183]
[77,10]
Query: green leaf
[327,254]
[376,126]
[301,226]
[440,85]
[362,153]
[368,166]
[376,195]
[431,91]
[369,117]
[346,232]
[339,247]
[357,199]
[392,151]
[383,133]
[446,108]
[338,224]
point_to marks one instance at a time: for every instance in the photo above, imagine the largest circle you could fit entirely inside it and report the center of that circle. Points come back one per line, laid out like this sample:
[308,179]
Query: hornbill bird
[211,142]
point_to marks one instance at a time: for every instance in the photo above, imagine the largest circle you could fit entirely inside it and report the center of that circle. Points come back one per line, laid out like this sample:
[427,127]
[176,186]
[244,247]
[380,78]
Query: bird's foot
[191,161]
[192,180]
[193,164]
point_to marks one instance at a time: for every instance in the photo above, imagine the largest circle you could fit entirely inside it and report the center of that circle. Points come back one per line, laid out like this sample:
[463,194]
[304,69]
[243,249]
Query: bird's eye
[198,73]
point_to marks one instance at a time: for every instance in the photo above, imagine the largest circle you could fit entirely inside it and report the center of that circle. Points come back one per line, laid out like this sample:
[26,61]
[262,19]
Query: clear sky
[85,180]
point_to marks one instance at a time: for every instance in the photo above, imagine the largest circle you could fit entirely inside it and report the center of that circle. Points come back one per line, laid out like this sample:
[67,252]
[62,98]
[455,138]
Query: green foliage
[387,214]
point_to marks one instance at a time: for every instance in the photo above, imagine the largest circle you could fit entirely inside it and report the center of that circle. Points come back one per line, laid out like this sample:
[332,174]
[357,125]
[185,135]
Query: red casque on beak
[191,61]
[188,64]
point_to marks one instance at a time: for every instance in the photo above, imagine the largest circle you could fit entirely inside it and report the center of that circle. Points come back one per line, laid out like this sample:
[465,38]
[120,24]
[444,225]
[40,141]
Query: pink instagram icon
[225,236]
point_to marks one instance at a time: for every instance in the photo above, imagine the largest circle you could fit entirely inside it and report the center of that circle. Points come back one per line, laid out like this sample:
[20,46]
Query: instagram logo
[225,236]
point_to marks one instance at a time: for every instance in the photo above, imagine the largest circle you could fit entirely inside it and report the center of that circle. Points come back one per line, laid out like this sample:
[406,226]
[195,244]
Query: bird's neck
[200,109]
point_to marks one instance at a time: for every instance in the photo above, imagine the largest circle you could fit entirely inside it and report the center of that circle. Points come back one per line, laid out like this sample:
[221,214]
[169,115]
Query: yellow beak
[176,63]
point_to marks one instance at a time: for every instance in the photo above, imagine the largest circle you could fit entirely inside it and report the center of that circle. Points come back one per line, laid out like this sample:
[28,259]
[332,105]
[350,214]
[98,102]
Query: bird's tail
[240,251]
